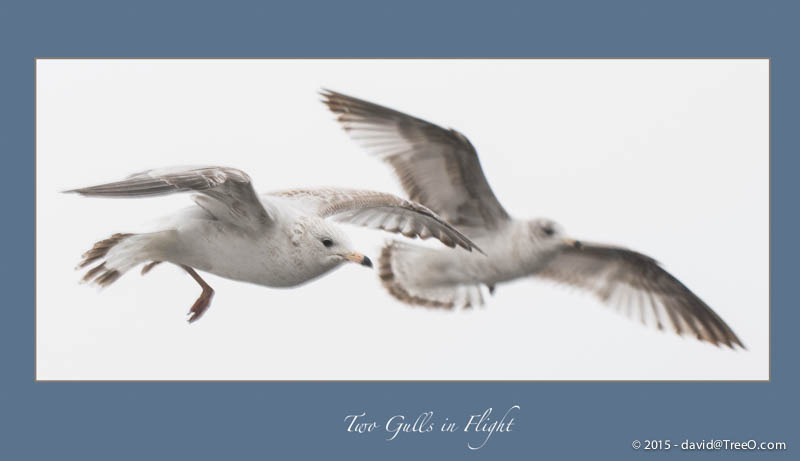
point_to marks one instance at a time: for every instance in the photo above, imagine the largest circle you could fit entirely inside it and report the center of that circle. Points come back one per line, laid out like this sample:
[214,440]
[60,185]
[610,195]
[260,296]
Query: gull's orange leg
[204,301]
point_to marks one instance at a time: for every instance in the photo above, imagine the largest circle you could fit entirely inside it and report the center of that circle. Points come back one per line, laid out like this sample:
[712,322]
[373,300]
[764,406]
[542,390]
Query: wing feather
[438,168]
[605,270]
[226,193]
[377,210]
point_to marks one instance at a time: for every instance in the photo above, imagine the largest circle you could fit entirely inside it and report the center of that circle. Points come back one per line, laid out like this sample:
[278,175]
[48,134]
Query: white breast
[269,258]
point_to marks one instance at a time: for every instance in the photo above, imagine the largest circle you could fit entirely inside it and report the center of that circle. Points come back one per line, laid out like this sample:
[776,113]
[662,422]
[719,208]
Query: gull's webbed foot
[201,305]
[204,301]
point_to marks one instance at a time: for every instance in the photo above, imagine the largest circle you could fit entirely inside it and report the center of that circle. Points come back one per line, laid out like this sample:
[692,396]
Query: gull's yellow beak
[358,258]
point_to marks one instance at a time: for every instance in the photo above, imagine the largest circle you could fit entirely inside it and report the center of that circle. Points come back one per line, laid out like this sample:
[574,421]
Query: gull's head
[545,229]
[549,232]
[328,245]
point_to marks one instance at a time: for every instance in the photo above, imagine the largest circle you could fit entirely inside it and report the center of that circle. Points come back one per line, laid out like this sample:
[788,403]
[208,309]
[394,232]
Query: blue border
[305,420]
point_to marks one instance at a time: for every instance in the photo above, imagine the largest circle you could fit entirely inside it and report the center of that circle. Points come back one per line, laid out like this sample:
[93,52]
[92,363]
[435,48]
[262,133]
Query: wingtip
[733,343]
[479,250]
[337,101]
[326,94]
[327,97]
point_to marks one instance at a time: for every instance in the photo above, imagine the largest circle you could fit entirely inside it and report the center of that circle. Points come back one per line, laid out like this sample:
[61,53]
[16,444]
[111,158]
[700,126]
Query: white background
[667,157]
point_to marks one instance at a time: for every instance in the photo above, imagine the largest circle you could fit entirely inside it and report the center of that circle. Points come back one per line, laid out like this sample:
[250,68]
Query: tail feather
[116,255]
[395,266]
[100,249]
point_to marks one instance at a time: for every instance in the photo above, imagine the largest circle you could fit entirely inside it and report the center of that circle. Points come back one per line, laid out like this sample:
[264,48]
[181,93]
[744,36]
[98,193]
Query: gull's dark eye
[548,230]
[327,242]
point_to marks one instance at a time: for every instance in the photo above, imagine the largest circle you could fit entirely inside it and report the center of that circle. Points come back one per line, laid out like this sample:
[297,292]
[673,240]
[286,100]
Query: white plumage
[279,239]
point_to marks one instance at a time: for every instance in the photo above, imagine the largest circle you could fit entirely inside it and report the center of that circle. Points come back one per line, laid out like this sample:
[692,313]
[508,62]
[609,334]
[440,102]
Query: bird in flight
[440,169]
[277,239]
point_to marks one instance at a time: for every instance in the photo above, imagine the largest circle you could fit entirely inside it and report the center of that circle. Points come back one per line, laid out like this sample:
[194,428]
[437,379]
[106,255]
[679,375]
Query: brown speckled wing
[377,210]
[438,168]
[629,280]
[226,193]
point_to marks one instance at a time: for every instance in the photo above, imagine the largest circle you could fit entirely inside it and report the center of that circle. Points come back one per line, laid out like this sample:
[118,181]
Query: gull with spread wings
[278,239]
[439,168]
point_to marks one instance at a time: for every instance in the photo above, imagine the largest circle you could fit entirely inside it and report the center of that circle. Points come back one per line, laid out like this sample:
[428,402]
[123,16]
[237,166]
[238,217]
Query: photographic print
[404,220]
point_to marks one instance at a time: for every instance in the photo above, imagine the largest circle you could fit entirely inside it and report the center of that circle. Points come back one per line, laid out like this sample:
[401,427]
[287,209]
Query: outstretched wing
[226,193]
[438,168]
[630,280]
[377,210]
